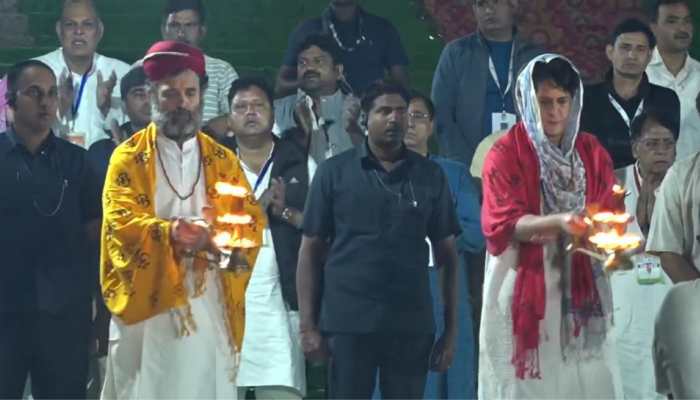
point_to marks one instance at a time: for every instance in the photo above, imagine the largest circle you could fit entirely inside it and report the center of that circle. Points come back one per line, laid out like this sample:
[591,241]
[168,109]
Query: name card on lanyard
[504,120]
[75,137]
[623,113]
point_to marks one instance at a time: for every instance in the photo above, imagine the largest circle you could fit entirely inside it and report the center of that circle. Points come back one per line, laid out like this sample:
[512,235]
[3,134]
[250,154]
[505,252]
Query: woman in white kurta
[546,313]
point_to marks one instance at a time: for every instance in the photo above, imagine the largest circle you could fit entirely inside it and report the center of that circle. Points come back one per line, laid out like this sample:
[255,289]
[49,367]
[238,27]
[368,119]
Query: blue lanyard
[76,103]
[263,171]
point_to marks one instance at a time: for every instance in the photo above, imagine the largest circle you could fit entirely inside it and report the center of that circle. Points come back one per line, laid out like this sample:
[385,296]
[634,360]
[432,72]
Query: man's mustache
[309,74]
[681,35]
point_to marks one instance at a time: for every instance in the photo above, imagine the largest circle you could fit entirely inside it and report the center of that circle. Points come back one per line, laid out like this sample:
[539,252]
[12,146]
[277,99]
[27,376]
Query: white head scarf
[562,174]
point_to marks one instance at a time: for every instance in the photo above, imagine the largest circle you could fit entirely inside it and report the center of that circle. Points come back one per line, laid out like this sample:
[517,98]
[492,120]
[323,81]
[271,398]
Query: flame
[227,189]
[222,239]
[235,219]
[619,190]
[611,218]
[244,243]
[612,241]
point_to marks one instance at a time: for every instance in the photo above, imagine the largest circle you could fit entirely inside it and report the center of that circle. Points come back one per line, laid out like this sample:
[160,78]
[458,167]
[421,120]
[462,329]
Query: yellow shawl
[139,274]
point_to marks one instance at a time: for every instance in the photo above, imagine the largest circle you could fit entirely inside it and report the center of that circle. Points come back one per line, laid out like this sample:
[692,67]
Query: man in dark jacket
[472,85]
[610,106]
[279,172]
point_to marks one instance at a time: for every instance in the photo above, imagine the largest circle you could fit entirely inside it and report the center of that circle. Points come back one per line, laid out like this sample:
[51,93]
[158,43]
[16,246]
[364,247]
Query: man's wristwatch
[287,214]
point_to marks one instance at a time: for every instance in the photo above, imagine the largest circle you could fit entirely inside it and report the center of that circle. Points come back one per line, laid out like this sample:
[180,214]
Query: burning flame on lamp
[227,189]
[235,219]
[610,243]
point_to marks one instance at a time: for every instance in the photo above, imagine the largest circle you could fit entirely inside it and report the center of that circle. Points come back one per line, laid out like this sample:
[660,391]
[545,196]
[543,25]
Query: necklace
[167,178]
[413,201]
[362,38]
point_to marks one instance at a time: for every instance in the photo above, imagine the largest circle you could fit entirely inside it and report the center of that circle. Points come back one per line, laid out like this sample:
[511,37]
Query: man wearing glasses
[185,21]
[49,200]
[87,81]
[639,292]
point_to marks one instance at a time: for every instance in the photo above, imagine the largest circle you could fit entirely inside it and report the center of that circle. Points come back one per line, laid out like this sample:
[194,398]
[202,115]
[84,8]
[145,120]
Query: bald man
[88,82]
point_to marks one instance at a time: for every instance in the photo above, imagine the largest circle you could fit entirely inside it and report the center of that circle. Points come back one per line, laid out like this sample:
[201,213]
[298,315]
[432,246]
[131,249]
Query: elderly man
[366,219]
[477,73]
[178,323]
[49,204]
[638,293]
[325,117]
[675,225]
[671,66]
[185,21]
[370,47]
[87,81]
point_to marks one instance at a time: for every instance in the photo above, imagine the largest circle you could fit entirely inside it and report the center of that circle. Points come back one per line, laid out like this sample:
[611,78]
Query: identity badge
[648,270]
[502,121]
[77,138]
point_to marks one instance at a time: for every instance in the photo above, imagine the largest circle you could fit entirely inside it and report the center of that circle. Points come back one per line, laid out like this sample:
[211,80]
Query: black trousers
[52,349]
[402,361]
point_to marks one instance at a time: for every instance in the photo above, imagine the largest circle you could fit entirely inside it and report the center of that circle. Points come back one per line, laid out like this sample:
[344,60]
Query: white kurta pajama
[635,306]
[149,359]
[271,353]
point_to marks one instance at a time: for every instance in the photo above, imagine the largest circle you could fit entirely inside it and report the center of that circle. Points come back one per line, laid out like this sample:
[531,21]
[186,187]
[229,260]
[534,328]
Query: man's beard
[178,125]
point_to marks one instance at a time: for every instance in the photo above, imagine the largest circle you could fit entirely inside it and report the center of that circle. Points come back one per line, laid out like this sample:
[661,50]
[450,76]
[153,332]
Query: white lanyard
[622,112]
[494,75]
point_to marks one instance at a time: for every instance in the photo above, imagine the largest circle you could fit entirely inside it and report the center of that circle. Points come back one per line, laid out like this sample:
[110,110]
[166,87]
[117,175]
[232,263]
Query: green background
[250,34]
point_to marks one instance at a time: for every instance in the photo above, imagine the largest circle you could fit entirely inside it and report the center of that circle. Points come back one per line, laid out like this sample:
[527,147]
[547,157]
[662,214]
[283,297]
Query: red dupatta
[511,185]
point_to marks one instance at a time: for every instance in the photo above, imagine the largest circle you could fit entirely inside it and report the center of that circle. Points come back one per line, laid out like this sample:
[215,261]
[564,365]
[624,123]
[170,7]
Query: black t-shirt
[378,52]
[45,201]
[376,274]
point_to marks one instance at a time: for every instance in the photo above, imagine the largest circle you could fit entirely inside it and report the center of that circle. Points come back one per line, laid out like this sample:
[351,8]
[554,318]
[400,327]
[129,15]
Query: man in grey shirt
[474,77]
[320,115]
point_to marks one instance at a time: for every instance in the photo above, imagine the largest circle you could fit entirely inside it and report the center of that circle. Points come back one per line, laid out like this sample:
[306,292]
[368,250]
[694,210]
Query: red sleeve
[600,175]
[506,197]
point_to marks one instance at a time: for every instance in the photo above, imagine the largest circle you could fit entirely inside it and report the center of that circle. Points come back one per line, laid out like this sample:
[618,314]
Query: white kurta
[572,379]
[635,306]
[271,354]
[148,359]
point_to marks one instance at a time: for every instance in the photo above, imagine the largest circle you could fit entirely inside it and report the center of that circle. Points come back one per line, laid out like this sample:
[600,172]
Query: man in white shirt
[88,81]
[185,21]
[279,171]
[178,318]
[674,234]
[676,350]
[639,292]
[671,66]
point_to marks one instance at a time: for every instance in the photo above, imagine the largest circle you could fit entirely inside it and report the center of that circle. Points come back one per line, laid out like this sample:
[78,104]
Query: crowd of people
[410,267]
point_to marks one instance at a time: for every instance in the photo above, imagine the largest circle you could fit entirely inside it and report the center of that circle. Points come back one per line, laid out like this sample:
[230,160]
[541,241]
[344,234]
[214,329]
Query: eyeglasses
[418,116]
[37,94]
[658,144]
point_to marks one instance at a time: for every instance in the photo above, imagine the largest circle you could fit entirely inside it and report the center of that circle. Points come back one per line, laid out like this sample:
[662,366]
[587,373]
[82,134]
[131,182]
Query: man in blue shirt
[49,202]
[473,82]
[370,46]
